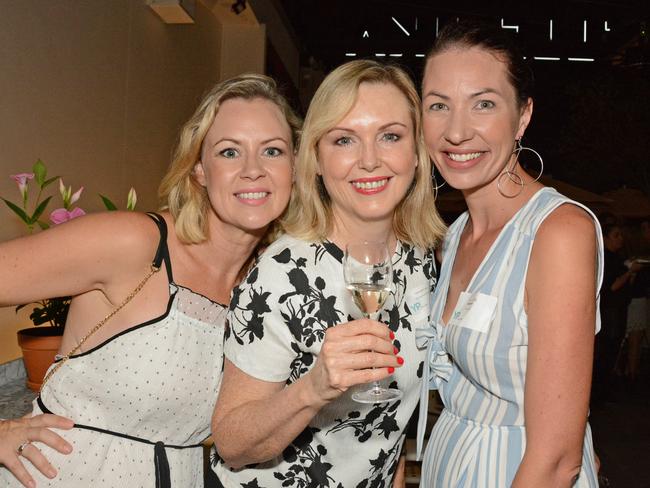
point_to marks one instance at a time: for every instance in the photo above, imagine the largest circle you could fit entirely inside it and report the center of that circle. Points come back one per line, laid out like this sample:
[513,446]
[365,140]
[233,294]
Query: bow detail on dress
[437,369]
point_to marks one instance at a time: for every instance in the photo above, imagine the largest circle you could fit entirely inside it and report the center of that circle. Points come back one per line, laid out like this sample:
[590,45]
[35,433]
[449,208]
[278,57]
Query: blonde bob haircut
[180,192]
[309,216]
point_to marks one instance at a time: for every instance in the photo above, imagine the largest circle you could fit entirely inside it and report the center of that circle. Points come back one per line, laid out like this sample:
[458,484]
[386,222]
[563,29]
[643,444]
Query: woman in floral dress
[296,348]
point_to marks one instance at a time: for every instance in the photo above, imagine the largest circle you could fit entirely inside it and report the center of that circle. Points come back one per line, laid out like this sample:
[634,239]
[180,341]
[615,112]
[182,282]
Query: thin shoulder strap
[162,253]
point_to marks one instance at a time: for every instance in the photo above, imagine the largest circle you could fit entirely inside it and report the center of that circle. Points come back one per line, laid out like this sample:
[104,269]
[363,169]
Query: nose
[458,128]
[253,168]
[369,159]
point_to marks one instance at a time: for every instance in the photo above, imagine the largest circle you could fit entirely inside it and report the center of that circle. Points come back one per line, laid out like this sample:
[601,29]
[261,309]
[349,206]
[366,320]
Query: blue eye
[343,141]
[391,137]
[437,107]
[229,153]
[273,152]
[485,104]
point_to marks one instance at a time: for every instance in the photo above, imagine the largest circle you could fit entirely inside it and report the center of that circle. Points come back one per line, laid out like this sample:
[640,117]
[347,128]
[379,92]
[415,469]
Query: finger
[367,359]
[34,455]
[50,420]
[49,438]
[362,376]
[366,342]
[18,470]
[363,326]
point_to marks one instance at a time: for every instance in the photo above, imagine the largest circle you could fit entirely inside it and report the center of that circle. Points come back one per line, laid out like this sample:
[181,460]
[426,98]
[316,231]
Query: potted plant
[40,344]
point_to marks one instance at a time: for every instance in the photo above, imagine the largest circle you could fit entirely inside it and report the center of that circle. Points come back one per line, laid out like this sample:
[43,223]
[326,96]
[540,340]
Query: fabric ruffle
[437,369]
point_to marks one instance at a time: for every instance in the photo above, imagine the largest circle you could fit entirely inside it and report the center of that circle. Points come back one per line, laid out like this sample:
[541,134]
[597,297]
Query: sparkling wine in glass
[368,273]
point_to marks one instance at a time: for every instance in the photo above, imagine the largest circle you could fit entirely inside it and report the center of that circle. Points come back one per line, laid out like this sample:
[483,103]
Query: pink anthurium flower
[61,215]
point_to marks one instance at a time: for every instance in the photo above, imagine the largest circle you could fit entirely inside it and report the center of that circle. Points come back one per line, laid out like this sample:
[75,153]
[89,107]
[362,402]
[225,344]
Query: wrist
[308,394]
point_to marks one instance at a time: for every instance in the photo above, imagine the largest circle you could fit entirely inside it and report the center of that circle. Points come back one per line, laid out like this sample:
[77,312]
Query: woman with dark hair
[143,342]
[516,306]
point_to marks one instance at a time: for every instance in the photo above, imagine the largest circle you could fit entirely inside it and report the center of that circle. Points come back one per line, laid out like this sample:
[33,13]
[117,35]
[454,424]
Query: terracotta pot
[39,345]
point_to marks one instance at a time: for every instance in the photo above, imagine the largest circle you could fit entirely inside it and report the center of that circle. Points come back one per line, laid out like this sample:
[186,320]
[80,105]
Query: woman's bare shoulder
[130,236]
[567,235]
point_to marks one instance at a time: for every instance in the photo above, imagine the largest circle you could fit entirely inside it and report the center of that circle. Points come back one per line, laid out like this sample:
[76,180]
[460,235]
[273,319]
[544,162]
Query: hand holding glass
[368,272]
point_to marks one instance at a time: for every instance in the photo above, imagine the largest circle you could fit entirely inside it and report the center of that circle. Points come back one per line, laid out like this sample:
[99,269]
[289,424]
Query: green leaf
[40,172]
[18,211]
[49,181]
[39,210]
[110,206]
[43,225]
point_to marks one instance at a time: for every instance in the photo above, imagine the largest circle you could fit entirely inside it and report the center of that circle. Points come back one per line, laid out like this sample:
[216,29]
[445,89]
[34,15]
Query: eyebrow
[436,94]
[484,91]
[473,95]
[385,126]
[235,141]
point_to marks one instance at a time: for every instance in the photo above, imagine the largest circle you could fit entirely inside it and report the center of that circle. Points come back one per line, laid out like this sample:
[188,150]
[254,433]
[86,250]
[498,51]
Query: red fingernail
[392,335]
[400,360]
[395,350]
[391,370]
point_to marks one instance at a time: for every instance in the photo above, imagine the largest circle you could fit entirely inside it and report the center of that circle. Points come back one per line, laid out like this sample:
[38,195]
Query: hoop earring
[541,161]
[512,174]
[514,177]
[436,187]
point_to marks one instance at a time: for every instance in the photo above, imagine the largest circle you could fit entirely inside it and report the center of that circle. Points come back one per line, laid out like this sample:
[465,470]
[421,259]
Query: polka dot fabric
[158,381]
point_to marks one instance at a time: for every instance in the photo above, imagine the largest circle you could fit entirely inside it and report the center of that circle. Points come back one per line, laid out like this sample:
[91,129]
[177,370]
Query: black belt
[161,464]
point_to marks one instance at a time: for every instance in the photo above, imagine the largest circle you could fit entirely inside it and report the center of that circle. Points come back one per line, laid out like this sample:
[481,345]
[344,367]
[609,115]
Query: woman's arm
[561,306]
[95,252]
[14,433]
[256,420]
[84,254]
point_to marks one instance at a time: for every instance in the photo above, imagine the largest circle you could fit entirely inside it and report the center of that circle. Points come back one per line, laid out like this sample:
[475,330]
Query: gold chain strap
[154,270]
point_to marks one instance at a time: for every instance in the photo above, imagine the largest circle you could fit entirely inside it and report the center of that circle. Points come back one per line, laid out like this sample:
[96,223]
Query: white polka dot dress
[156,382]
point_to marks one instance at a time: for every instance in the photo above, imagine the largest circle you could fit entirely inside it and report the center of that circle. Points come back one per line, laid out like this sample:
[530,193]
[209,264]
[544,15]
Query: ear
[524,118]
[199,173]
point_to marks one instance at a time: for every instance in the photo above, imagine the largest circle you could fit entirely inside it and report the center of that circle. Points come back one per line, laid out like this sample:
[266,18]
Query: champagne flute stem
[376,387]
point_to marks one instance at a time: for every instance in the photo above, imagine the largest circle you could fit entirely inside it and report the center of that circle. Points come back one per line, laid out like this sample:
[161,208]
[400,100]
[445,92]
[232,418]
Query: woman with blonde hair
[295,353]
[140,387]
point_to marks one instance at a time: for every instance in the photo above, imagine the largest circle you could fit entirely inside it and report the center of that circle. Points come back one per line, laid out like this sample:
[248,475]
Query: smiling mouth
[257,195]
[462,158]
[370,185]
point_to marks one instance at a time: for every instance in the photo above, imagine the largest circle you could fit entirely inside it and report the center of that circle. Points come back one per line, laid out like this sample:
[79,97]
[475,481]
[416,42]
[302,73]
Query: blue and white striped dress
[480,437]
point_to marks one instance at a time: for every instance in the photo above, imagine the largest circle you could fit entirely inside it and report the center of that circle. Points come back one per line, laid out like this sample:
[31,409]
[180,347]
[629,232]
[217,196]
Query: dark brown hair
[479,33]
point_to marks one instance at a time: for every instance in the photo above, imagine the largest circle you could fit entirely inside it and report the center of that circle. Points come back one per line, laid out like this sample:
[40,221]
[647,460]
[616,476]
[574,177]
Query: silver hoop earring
[513,177]
[436,187]
[523,148]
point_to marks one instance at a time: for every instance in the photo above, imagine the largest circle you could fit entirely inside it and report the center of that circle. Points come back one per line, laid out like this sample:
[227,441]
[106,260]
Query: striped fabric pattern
[480,438]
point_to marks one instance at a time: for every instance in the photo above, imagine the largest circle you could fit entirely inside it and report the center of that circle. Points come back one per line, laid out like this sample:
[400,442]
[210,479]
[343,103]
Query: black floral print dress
[278,317]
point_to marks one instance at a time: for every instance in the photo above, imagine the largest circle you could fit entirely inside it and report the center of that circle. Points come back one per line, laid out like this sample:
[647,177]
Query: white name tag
[474,311]
[418,303]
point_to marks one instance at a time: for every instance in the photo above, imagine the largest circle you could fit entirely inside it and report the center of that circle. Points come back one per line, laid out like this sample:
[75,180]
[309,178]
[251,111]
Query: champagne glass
[368,272]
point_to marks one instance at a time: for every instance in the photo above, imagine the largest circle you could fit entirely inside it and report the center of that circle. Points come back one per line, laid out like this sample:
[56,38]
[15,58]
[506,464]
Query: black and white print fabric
[277,322]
